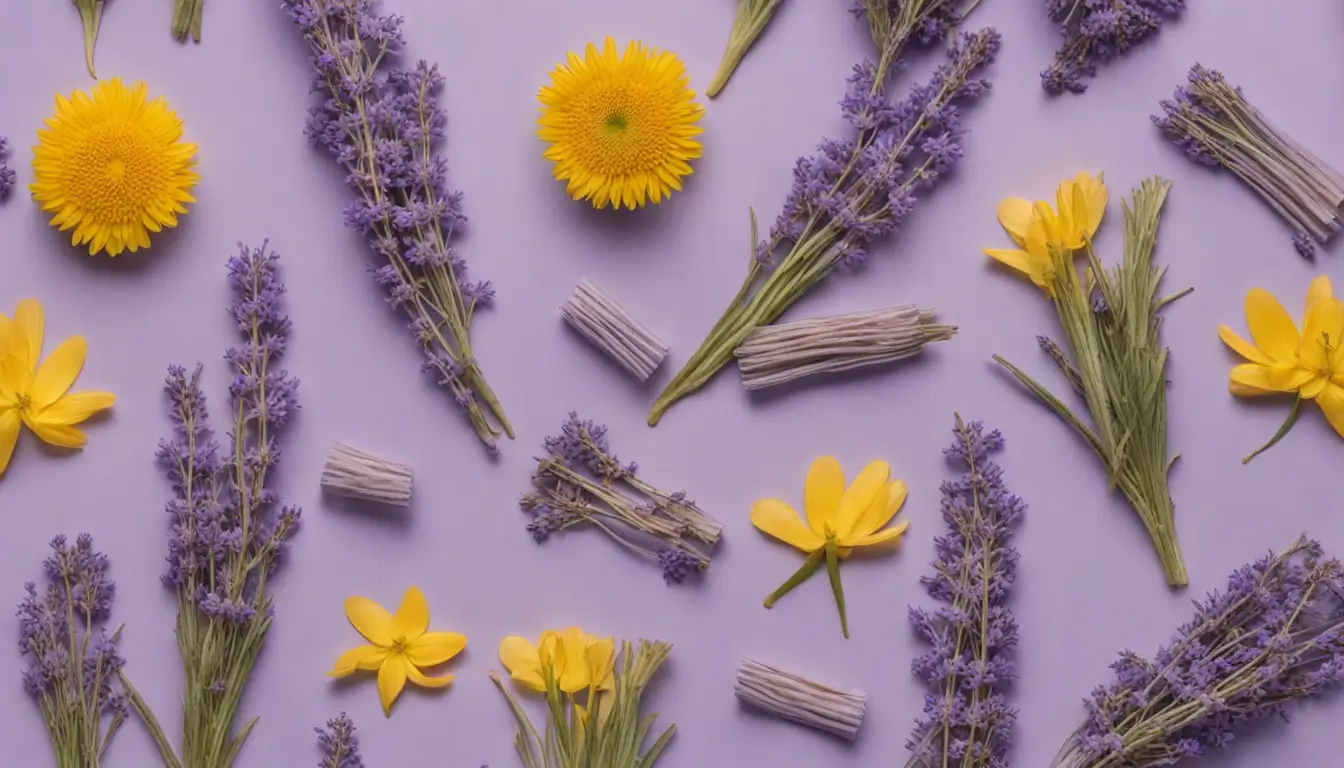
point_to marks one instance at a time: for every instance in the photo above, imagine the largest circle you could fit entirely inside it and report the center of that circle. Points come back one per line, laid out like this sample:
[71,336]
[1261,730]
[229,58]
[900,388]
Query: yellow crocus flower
[400,645]
[838,521]
[1080,204]
[36,392]
[576,658]
[1309,365]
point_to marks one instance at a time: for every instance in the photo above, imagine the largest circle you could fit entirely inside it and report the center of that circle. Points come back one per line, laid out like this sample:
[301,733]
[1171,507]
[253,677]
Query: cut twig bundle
[776,354]
[601,319]
[357,474]
[799,700]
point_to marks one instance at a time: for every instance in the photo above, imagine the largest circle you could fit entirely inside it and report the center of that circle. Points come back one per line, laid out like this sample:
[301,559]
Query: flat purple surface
[1089,584]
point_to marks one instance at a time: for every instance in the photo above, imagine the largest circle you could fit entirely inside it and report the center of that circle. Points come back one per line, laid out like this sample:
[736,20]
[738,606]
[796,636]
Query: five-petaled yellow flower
[1281,360]
[37,392]
[620,127]
[839,520]
[401,645]
[577,660]
[1080,203]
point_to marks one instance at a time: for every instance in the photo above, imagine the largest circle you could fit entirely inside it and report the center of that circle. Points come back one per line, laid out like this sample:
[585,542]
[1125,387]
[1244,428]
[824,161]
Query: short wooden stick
[601,319]
[357,474]
[788,696]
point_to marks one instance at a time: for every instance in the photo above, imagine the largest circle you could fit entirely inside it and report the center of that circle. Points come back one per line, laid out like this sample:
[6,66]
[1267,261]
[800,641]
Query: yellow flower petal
[778,519]
[365,657]
[76,407]
[28,317]
[881,537]
[1272,329]
[58,372]
[13,341]
[59,435]
[1015,216]
[1243,347]
[1094,197]
[1029,264]
[822,491]
[530,678]
[370,619]
[520,656]
[1266,379]
[1331,401]
[14,380]
[434,648]
[391,680]
[883,507]
[601,661]
[1322,333]
[425,681]
[1319,289]
[573,642]
[9,435]
[412,618]
[870,482]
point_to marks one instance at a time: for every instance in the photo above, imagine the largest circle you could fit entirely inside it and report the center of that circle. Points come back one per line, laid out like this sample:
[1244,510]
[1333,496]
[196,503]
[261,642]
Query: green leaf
[151,722]
[1284,429]
[838,589]
[810,566]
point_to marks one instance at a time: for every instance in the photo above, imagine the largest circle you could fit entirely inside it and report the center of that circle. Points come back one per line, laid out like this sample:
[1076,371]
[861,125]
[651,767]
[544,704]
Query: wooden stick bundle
[601,319]
[799,700]
[358,474]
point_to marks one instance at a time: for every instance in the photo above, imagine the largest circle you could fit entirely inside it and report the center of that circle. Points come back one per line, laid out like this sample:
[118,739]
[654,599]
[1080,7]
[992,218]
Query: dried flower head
[1096,31]
[8,178]
[339,744]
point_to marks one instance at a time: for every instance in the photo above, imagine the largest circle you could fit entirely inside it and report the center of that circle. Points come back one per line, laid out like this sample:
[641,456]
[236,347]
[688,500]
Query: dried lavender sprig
[967,721]
[852,192]
[74,666]
[383,125]
[7,176]
[1273,637]
[776,354]
[1097,31]
[797,699]
[601,319]
[339,744]
[357,474]
[1214,124]
[581,481]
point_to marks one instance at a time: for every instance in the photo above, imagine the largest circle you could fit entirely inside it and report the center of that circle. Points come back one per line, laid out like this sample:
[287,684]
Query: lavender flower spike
[967,720]
[1096,31]
[73,666]
[382,127]
[339,744]
[7,176]
[1273,637]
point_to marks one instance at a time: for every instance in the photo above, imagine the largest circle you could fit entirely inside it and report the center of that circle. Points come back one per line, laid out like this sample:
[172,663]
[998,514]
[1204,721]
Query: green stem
[810,566]
[750,20]
[1284,429]
[833,569]
[90,15]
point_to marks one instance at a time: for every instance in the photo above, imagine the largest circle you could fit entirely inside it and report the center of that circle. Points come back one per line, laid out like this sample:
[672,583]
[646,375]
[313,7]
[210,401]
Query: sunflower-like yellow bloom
[1080,203]
[839,520]
[36,392]
[112,167]
[1309,365]
[621,127]
[401,645]
[578,660]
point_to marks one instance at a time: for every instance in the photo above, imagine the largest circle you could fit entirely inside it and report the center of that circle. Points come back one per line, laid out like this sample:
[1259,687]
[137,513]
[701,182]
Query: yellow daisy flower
[621,127]
[1309,365]
[112,167]
[36,392]
[401,645]
[839,520]
[577,659]
[1080,203]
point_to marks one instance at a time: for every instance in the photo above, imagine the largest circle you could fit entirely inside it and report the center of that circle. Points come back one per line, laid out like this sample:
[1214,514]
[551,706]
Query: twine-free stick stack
[358,474]
[776,354]
[799,700]
[601,319]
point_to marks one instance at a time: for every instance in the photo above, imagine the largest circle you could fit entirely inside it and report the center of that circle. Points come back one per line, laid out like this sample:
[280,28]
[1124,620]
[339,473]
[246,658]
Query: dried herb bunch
[1097,31]
[580,481]
[1118,360]
[1214,124]
[1273,637]
[382,124]
[967,722]
[855,190]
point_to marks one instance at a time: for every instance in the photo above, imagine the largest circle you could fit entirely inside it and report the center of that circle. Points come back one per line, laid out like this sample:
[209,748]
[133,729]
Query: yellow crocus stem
[1283,430]
[833,568]
[810,566]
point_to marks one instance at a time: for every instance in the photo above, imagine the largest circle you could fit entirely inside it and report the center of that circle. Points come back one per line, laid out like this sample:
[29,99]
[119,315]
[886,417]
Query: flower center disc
[112,173]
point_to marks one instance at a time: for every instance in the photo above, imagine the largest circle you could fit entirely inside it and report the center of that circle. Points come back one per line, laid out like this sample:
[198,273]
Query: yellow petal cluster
[111,166]
[577,660]
[400,646]
[1279,359]
[620,127]
[36,392]
[1038,229]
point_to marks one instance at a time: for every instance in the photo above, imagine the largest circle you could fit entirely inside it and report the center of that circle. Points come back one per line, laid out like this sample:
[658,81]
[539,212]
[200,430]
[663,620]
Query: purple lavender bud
[1305,246]
[1096,32]
[339,744]
[677,565]
[7,176]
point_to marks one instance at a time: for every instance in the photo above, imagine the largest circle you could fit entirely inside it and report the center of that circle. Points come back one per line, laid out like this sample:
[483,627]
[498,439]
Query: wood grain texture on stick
[601,319]
[797,699]
[357,474]
[777,354]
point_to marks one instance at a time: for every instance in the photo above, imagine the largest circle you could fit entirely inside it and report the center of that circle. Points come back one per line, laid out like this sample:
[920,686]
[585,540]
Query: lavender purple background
[1088,584]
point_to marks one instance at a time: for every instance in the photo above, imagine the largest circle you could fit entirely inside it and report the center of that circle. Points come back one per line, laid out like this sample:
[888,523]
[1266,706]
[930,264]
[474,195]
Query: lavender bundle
[1215,125]
[7,176]
[1275,636]
[229,528]
[339,744]
[855,190]
[777,354]
[967,721]
[1097,31]
[74,666]
[382,126]
[667,527]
